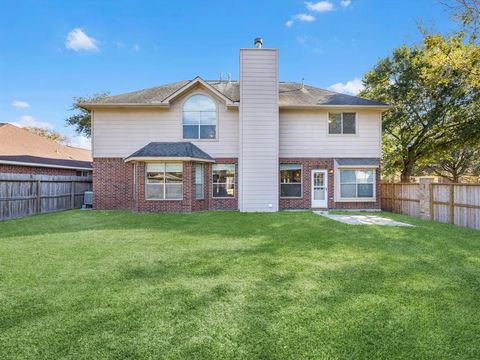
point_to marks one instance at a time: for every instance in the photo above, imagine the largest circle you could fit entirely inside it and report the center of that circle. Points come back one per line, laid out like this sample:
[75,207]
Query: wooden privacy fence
[23,195]
[457,204]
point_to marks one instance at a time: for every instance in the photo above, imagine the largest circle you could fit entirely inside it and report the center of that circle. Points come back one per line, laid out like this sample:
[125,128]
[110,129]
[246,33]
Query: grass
[290,285]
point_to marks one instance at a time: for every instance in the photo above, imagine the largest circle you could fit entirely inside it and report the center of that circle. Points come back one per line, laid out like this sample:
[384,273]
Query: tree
[467,12]
[49,134]
[458,162]
[435,105]
[82,119]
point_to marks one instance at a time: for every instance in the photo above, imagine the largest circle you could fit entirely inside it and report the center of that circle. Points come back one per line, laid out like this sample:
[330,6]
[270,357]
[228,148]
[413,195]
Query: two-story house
[256,144]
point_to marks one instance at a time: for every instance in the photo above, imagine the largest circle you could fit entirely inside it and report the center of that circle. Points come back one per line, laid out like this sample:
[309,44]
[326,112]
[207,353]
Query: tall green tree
[81,119]
[435,102]
[457,162]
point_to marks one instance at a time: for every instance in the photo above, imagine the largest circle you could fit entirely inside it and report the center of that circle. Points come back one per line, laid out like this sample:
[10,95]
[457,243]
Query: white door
[319,189]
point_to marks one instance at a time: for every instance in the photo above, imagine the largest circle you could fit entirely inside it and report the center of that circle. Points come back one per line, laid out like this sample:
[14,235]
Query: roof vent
[258,42]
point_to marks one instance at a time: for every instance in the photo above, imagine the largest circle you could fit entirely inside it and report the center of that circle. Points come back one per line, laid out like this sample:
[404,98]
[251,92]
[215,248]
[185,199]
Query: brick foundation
[114,188]
[305,202]
[36,170]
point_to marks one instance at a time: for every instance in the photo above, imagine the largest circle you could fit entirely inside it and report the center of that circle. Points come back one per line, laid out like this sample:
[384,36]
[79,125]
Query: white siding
[258,161]
[120,132]
[305,134]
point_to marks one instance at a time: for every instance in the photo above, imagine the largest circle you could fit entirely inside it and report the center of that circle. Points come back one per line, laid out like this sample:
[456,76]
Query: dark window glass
[349,123]
[223,176]
[290,180]
[334,123]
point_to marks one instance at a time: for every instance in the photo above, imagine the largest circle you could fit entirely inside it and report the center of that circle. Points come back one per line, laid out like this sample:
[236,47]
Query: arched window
[199,118]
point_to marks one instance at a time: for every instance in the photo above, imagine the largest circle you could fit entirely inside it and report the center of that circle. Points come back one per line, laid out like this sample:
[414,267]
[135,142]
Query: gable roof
[21,147]
[291,95]
[170,150]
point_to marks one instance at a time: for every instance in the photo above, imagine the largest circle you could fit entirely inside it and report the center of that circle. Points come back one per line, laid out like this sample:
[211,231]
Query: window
[342,123]
[357,184]
[223,180]
[290,180]
[199,118]
[83,173]
[164,181]
[199,181]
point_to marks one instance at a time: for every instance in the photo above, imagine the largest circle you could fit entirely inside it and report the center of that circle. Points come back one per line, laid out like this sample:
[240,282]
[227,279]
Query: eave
[165,158]
[334,107]
[21,163]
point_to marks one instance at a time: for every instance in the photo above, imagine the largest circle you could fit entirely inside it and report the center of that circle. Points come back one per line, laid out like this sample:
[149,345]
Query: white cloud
[81,142]
[77,40]
[120,45]
[321,6]
[301,18]
[17,104]
[136,47]
[345,3]
[30,121]
[304,17]
[352,87]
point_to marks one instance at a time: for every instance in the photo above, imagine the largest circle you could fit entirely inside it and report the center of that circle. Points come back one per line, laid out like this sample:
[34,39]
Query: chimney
[258,129]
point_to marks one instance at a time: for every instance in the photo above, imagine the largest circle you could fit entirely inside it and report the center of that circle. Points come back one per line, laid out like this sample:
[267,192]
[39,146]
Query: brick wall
[309,164]
[36,170]
[113,188]
[112,184]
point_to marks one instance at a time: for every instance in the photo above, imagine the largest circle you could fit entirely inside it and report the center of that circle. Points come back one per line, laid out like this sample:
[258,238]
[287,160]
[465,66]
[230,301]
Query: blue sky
[51,51]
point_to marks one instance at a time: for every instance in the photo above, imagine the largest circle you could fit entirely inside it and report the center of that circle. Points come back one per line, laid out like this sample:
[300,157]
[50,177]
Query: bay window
[223,176]
[164,181]
[290,180]
[199,181]
[357,184]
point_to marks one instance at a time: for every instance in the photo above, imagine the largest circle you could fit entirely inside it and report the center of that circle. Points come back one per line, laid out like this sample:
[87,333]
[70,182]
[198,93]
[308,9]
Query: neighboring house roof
[291,94]
[21,147]
[358,162]
[170,150]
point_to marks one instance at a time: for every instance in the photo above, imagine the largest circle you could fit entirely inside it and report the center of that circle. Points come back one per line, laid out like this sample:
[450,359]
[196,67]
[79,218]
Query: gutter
[19,163]
[166,158]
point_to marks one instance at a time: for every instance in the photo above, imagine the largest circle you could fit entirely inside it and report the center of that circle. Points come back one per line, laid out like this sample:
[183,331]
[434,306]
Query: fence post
[424,196]
[38,204]
[393,197]
[451,204]
[72,195]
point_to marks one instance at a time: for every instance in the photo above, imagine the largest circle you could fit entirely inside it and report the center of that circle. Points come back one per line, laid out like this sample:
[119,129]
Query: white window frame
[164,182]
[301,181]
[220,183]
[200,166]
[341,123]
[216,120]
[338,184]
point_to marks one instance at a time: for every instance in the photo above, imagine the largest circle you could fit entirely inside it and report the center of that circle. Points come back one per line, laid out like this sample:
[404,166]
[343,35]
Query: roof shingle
[171,149]
[290,94]
[20,145]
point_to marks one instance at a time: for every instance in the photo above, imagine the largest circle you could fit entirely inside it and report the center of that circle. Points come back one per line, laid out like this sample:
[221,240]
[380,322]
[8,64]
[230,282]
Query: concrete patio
[362,219]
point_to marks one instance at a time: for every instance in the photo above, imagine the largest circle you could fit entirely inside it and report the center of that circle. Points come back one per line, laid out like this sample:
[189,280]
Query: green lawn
[290,285]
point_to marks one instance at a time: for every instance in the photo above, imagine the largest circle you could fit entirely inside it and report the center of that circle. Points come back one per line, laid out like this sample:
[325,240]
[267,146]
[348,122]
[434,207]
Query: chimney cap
[258,42]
